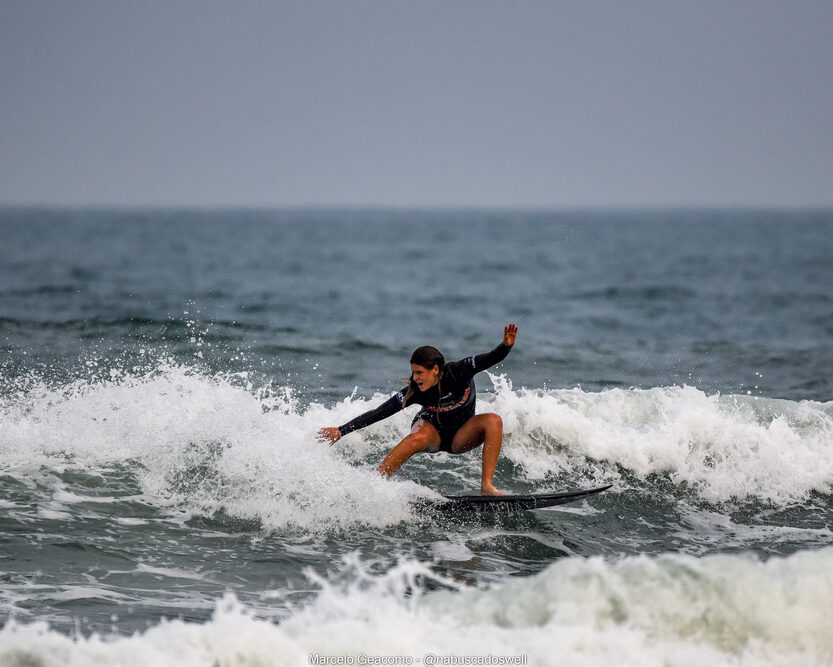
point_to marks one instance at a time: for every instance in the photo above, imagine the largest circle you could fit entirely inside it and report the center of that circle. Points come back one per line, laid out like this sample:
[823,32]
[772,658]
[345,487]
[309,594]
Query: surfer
[446,422]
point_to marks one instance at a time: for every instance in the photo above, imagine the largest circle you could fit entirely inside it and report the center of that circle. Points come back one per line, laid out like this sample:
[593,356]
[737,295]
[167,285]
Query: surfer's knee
[420,441]
[493,422]
[423,437]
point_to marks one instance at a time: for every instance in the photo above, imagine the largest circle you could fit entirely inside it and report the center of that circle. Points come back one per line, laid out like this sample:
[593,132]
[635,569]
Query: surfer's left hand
[509,333]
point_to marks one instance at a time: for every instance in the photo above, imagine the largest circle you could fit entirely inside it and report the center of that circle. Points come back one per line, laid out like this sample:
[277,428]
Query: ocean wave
[718,446]
[207,443]
[668,610]
[218,443]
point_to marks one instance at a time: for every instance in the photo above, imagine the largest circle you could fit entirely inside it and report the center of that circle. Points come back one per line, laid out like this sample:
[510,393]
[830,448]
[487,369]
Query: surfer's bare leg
[486,430]
[422,438]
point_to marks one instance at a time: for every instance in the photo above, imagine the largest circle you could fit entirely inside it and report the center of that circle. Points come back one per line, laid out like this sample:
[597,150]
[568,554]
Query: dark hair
[427,357]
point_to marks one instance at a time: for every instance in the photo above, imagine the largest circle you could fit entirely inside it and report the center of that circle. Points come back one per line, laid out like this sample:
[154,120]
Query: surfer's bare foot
[490,491]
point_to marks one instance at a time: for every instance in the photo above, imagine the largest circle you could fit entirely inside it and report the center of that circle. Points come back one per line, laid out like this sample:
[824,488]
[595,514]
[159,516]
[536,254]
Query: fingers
[329,435]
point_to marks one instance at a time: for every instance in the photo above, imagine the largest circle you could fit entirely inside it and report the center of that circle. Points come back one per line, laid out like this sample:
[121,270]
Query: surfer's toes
[490,491]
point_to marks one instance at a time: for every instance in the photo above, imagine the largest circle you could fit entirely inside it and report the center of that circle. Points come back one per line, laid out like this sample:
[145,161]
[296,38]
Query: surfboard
[510,502]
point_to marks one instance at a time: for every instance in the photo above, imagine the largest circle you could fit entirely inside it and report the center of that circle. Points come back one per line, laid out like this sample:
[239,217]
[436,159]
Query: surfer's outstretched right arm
[388,408]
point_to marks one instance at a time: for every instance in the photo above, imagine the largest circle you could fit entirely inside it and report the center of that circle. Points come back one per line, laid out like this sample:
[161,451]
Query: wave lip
[721,447]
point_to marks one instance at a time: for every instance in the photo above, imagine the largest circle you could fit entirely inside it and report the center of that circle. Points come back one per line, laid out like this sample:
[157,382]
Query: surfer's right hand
[329,435]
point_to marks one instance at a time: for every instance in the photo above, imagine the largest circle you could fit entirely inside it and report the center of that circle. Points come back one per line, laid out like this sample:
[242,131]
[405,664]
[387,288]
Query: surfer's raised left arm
[480,362]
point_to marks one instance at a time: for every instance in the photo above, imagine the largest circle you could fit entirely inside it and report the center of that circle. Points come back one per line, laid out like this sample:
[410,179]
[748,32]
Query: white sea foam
[205,443]
[709,528]
[721,446]
[169,572]
[669,610]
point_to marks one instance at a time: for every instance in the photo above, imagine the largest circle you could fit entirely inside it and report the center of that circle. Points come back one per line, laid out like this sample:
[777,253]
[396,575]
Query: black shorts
[446,434]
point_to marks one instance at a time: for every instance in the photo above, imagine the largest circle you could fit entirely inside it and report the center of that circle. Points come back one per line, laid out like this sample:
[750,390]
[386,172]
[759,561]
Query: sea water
[164,500]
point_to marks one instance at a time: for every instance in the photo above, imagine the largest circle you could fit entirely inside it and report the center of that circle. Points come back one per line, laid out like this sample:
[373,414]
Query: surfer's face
[425,378]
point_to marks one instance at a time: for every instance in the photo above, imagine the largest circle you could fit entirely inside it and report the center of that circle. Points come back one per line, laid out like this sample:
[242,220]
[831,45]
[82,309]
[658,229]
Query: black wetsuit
[447,413]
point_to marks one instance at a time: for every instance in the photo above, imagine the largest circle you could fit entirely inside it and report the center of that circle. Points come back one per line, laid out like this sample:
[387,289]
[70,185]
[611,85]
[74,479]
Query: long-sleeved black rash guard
[449,411]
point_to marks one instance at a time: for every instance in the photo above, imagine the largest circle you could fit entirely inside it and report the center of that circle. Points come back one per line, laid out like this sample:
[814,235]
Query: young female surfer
[446,422]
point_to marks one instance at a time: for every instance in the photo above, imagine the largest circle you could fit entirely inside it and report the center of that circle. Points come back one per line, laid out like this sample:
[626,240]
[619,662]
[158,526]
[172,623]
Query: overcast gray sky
[421,103]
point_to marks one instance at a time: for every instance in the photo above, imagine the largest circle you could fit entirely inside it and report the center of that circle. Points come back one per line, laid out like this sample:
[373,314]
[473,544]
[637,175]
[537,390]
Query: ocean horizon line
[103,207]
